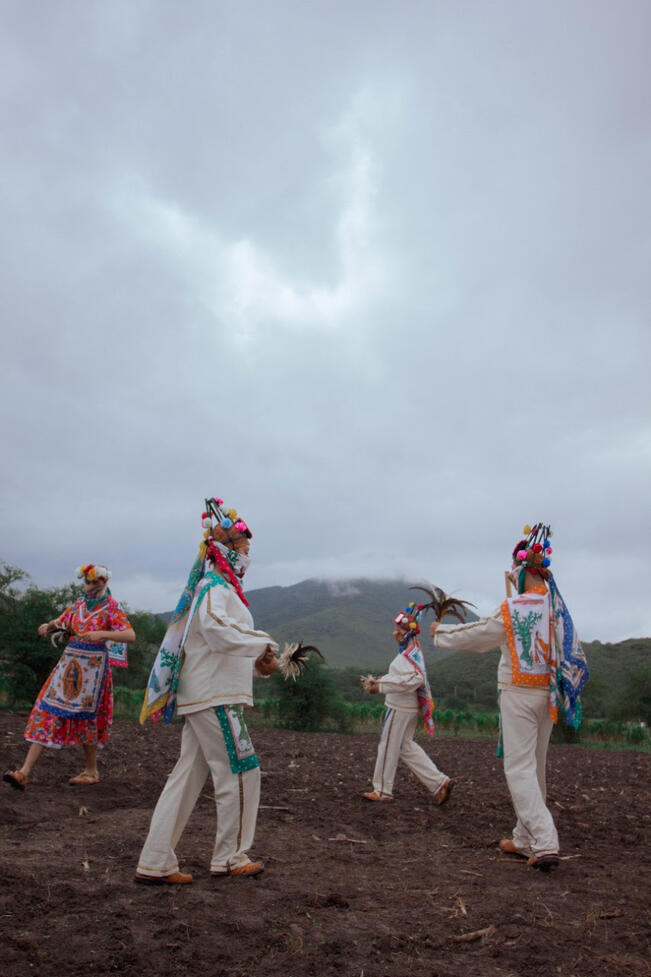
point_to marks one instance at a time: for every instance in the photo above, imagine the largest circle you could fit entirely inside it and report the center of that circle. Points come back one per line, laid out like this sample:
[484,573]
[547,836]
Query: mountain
[350,621]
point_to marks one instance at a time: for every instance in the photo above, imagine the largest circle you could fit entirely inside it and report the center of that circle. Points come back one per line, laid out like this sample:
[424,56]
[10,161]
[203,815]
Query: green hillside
[350,621]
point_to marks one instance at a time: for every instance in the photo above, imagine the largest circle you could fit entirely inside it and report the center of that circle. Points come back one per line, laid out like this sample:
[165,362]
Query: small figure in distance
[407,694]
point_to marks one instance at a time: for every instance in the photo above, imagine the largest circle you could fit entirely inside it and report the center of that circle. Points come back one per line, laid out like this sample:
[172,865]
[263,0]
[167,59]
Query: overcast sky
[376,273]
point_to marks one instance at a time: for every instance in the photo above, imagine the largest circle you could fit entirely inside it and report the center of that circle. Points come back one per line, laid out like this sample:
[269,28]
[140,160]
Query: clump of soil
[349,888]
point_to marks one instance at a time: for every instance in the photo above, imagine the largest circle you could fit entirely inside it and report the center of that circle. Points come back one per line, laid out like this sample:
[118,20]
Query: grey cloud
[377,275]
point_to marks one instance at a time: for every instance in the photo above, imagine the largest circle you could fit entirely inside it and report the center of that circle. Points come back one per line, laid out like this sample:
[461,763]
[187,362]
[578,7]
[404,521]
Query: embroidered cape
[162,685]
[526,622]
[414,655]
[545,650]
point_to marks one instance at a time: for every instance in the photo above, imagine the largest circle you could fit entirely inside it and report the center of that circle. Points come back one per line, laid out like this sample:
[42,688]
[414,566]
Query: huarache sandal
[174,878]
[373,795]
[247,870]
[16,778]
[507,847]
[445,791]
[544,862]
[84,779]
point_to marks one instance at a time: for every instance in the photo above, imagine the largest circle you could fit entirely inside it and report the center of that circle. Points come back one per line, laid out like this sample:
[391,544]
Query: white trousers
[237,796]
[526,729]
[397,743]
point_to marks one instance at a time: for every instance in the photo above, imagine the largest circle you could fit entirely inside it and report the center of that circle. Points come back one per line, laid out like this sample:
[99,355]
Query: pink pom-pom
[549,550]
[218,501]
[241,526]
[522,554]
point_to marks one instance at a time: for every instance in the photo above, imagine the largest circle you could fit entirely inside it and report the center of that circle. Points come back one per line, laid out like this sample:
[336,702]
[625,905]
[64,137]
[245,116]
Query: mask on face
[243,563]
[238,562]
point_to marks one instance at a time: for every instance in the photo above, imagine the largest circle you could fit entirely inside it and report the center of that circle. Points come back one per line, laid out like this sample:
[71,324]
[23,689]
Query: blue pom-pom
[226,523]
[407,609]
[546,544]
[546,561]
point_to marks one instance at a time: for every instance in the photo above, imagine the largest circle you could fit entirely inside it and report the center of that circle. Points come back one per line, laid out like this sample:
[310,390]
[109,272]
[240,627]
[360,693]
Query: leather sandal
[445,791]
[507,847]
[84,779]
[372,795]
[246,870]
[174,878]
[546,863]
[16,778]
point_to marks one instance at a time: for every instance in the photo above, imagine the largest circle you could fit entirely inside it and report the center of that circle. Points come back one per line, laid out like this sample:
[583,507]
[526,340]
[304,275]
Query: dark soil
[349,888]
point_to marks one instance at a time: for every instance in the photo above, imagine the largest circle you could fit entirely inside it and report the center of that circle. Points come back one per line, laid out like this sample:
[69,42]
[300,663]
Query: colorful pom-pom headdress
[223,524]
[533,552]
[222,529]
[408,619]
[93,571]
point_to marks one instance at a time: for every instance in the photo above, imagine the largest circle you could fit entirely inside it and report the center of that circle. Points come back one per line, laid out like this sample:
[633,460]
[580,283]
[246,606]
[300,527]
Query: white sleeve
[401,677]
[481,635]
[224,633]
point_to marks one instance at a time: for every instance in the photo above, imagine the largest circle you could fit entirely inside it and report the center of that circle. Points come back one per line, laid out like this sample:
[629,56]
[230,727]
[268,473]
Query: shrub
[310,701]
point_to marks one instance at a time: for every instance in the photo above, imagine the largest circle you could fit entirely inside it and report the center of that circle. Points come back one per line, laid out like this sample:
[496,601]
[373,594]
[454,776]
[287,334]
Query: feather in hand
[442,604]
[61,636]
[367,681]
[293,660]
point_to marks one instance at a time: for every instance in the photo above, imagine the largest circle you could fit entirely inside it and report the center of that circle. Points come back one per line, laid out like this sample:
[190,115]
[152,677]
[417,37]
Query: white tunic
[400,685]
[220,651]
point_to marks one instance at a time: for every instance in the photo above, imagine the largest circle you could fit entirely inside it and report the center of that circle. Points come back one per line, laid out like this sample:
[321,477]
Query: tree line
[463,686]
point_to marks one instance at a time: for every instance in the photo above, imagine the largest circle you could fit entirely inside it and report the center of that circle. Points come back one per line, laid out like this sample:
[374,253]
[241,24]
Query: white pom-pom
[207,523]
[79,572]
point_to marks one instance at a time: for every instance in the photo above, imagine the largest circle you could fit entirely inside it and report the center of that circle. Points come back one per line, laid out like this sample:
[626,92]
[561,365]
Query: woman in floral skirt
[75,706]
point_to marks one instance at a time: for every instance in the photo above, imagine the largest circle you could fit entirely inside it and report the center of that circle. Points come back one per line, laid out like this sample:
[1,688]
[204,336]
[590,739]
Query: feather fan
[441,603]
[293,660]
[61,636]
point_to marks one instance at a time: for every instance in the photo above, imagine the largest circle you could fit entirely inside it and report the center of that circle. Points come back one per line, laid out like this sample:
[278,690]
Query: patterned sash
[240,749]
[414,656]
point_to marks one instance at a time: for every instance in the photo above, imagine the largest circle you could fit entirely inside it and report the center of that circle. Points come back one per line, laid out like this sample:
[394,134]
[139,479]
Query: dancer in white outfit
[542,669]
[204,671]
[407,694]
